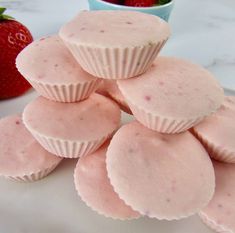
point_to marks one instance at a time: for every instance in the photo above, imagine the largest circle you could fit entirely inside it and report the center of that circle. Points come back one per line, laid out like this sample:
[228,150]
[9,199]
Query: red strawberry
[13,38]
[140,3]
[113,1]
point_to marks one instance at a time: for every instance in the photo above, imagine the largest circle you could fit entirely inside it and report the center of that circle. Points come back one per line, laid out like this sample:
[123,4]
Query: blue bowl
[163,11]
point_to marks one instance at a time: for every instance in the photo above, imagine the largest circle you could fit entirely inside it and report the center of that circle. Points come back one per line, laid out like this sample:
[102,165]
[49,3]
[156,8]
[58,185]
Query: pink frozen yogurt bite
[72,129]
[93,186]
[217,132]
[115,44]
[21,157]
[159,175]
[220,213]
[173,95]
[52,70]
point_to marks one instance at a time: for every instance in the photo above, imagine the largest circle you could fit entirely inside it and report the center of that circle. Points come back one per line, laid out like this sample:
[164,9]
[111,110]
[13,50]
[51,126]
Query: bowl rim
[131,7]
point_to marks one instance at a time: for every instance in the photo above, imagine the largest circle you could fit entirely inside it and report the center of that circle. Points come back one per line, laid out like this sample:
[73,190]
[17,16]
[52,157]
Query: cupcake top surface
[93,185]
[90,119]
[49,61]
[115,29]
[20,152]
[221,209]
[174,88]
[159,175]
[219,128]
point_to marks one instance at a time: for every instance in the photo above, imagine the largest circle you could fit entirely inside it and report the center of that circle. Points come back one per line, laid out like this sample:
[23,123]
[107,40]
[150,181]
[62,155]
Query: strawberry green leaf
[2,9]
[162,2]
[4,17]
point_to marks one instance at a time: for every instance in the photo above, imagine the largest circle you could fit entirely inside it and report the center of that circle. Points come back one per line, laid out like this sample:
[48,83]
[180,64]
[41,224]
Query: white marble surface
[202,31]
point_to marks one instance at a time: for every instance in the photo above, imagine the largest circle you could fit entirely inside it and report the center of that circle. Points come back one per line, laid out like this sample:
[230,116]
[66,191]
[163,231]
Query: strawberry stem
[4,17]
[162,2]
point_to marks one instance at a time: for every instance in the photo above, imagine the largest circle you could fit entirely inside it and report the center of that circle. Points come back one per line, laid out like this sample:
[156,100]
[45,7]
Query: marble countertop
[202,31]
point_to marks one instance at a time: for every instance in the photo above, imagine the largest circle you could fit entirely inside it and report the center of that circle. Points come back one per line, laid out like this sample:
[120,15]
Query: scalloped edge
[216,152]
[111,63]
[66,93]
[96,210]
[162,124]
[159,217]
[212,224]
[33,176]
[68,148]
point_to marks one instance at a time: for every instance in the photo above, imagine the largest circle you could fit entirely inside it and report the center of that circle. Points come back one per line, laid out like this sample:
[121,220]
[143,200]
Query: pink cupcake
[21,157]
[115,44]
[163,176]
[72,130]
[51,69]
[172,96]
[217,132]
[220,213]
[94,188]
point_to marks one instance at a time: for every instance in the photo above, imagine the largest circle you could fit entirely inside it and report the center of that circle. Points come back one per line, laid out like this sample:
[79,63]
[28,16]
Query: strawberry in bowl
[14,36]
[160,8]
[139,3]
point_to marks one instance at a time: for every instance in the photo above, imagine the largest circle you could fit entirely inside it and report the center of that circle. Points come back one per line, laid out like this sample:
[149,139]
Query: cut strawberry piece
[13,38]
[140,3]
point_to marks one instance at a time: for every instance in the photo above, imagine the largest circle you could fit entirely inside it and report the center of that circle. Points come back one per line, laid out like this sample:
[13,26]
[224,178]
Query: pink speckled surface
[93,185]
[20,154]
[162,176]
[90,119]
[174,88]
[110,27]
[221,209]
[218,130]
[49,61]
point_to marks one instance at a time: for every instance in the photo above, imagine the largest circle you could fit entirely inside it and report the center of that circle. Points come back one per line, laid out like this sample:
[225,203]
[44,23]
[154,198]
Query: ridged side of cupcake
[34,176]
[166,98]
[66,93]
[67,148]
[52,70]
[115,63]
[160,123]
[215,151]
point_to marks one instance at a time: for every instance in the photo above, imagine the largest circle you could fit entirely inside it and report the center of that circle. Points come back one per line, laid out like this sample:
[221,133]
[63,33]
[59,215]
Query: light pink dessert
[94,187]
[217,132]
[21,157]
[173,95]
[72,129]
[52,70]
[115,44]
[109,88]
[220,213]
[159,175]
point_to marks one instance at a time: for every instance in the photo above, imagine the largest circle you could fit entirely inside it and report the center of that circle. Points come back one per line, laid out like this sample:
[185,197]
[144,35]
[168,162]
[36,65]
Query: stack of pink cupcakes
[159,165]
